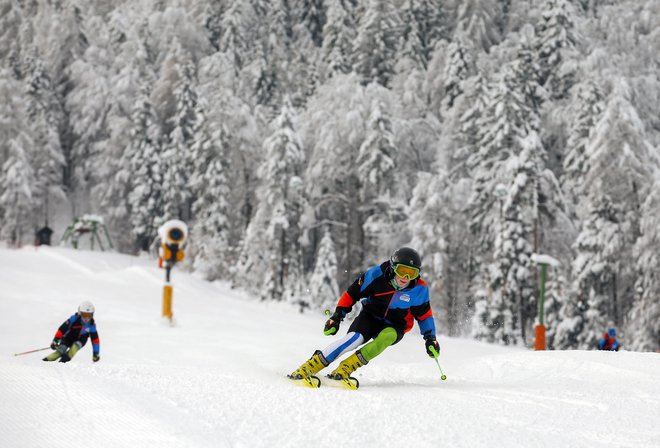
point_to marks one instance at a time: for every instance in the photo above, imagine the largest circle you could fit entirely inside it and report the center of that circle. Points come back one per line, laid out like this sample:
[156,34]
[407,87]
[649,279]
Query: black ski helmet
[407,256]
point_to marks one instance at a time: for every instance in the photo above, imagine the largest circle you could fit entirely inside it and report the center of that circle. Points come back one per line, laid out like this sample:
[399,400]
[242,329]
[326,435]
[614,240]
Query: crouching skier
[392,294]
[73,334]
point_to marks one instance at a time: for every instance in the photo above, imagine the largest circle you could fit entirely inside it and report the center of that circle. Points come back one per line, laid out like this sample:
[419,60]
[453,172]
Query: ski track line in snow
[68,261]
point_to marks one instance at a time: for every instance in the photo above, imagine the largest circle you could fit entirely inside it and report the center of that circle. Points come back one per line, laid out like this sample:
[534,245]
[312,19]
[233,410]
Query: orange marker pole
[167,293]
[167,301]
[539,340]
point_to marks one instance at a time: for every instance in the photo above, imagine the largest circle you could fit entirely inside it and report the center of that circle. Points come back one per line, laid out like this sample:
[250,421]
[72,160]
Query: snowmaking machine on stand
[173,235]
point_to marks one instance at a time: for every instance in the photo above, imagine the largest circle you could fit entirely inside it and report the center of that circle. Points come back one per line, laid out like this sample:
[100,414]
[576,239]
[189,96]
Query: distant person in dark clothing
[609,341]
[42,236]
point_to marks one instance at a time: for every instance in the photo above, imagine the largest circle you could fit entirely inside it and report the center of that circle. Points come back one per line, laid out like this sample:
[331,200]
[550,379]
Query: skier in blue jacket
[72,335]
[393,297]
[609,342]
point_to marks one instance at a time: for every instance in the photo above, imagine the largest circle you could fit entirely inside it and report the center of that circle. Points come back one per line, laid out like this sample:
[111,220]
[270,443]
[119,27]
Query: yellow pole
[167,301]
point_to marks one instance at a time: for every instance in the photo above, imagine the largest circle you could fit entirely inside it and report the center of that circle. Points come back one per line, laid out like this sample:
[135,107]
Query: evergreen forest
[303,141]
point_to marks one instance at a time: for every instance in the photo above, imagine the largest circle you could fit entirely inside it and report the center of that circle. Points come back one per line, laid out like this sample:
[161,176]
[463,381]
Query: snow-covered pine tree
[555,296]
[471,112]
[571,323]
[440,233]
[313,17]
[210,186]
[588,105]
[17,208]
[323,288]
[334,130]
[180,126]
[534,201]
[595,268]
[510,276]
[241,133]
[59,29]
[376,44]
[12,22]
[508,136]
[279,37]
[620,148]
[44,112]
[270,68]
[260,7]
[339,33]
[377,154]
[16,202]
[87,127]
[210,232]
[412,48]
[492,320]
[527,73]
[410,68]
[643,322]
[144,157]
[477,23]
[272,247]
[304,58]
[212,19]
[232,39]
[376,163]
[556,44]
[501,126]
[425,23]
[130,78]
[457,69]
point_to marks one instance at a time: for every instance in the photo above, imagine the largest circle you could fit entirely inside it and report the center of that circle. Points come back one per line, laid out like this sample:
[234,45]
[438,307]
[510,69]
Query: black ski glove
[431,342]
[96,357]
[332,324]
[55,343]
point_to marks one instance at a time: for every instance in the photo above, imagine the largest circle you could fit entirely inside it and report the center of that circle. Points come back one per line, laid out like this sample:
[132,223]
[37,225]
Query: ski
[351,383]
[311,381]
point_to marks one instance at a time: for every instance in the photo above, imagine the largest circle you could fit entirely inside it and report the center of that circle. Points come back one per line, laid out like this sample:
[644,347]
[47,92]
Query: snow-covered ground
[217,378]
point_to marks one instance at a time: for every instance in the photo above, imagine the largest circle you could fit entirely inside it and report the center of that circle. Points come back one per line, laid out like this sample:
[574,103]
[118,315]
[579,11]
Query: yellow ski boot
[342,374]
[68,356]
[306,372]
[63,353]
[53,356]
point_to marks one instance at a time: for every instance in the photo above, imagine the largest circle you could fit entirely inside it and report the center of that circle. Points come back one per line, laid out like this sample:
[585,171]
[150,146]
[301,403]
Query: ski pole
[31,351]
[435,358]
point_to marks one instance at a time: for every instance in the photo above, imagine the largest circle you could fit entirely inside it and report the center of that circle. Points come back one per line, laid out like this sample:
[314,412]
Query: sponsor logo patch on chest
[405,298]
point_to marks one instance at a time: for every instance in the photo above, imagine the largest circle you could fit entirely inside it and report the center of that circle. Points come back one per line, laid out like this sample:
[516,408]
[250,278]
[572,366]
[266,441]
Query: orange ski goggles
[404,271]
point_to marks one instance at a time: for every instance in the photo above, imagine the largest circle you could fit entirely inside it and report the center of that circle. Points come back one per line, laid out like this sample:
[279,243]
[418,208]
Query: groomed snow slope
[216,379]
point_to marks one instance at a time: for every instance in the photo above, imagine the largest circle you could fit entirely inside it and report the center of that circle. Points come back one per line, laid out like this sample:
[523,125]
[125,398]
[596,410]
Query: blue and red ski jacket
[608,343]
[397,307]
[74,329]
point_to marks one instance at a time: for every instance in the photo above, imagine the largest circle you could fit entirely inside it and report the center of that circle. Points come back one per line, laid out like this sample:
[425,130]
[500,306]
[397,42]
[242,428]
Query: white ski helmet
[86,307]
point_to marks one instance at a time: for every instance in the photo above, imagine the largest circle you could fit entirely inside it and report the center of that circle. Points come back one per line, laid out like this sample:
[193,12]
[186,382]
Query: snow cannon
[173,235]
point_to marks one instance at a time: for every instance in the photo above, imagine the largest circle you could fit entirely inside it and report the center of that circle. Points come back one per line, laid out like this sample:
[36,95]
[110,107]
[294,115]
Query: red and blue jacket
[397,307]
[608,343]
[74,329]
